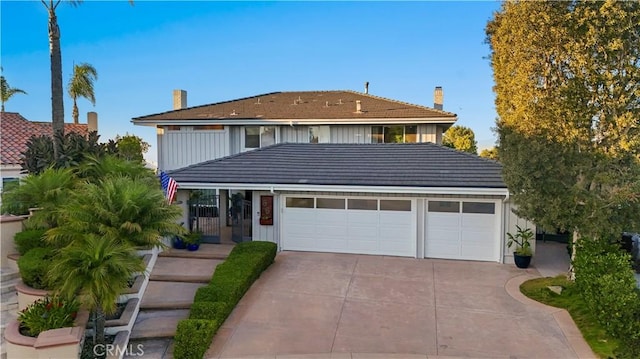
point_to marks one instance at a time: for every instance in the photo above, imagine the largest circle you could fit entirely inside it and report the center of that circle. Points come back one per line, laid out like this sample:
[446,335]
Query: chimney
[437,98]
[366,87]
[358,106]
[92,121]
[179,99]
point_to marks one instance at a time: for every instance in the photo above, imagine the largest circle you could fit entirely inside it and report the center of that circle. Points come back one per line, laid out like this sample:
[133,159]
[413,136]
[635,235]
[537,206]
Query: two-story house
[333,171]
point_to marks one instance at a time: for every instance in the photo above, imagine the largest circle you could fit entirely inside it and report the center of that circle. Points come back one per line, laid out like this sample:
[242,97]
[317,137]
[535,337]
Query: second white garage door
[349,225]
[462,230]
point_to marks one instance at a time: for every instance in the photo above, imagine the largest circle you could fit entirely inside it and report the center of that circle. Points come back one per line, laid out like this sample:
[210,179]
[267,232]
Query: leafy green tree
[568,100]
[81,85]
[131,147]
[95,269]
[73,149]
[490,153]
[6,91]
[46,191]
[461,138]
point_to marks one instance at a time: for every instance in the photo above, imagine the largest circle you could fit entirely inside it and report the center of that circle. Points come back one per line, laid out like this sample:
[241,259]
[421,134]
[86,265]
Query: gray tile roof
[299,105]
[402,165]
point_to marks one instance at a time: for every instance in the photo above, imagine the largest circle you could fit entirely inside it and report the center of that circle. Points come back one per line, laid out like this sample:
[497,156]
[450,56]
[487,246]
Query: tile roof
[302,105]
[16,130]
[398,165]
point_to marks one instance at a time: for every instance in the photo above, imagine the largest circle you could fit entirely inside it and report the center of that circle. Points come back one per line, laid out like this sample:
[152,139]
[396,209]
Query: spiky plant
[95,269]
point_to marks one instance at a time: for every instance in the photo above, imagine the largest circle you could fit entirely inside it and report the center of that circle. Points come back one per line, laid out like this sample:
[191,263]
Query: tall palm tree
[95,269]
[6,91]
[81,85]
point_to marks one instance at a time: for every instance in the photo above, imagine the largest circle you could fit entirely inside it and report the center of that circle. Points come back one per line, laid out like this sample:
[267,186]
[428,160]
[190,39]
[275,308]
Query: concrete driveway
[351,305]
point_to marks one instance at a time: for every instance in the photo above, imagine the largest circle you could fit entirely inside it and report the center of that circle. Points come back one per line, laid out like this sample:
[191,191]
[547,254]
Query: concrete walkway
[320,305]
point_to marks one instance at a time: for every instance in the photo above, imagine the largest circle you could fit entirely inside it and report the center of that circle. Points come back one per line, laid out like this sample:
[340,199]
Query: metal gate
[204,216]
[241,220]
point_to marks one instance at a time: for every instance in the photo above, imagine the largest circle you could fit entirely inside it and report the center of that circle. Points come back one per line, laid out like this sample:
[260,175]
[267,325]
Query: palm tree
[81,85]
[127,210]
[95,269]
[6,91]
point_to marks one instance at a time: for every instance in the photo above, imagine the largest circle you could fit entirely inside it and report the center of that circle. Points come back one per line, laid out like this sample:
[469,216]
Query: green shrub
[29,239]
[48,313]
[34,265]
[210,310]
[606,282]
[193,338]
[213,303]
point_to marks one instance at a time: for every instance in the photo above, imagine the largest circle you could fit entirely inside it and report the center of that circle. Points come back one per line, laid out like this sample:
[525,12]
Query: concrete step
[8,298]
[169,295]
[7,274]
[158,348]
[177,269]
[9,285]
[206,251]
[157,323]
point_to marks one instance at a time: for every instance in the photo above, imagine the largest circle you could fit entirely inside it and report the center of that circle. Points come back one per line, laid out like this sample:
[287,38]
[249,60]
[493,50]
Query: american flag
[169,186]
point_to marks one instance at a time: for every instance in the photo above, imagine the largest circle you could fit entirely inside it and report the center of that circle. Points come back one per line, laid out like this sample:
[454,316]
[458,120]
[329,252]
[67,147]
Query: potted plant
[193,240]
[522,242]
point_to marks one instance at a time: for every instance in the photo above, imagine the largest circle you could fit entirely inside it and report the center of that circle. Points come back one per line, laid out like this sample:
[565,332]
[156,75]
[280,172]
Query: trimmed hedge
[213,303]
[34,265]
[607,284]
[193,337]
[29,239]
[210,310]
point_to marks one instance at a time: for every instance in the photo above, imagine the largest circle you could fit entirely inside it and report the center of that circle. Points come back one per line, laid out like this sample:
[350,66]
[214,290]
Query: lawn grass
[537,289]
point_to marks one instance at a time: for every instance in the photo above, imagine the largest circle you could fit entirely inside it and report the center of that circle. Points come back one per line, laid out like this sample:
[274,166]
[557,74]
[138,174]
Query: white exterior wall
[510,221]
[295,134]
[266,233]
[351,134]
[186,147]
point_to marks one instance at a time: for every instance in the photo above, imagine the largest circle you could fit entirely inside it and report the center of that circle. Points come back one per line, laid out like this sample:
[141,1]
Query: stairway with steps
[173,282]
[9,302]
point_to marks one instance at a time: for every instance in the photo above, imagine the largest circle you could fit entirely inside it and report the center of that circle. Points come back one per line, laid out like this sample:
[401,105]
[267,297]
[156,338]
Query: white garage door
[462,230]
[349,225]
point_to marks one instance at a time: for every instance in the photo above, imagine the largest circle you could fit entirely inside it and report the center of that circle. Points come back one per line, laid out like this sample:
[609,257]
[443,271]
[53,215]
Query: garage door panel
[361,228]
[395,218]
[468,236]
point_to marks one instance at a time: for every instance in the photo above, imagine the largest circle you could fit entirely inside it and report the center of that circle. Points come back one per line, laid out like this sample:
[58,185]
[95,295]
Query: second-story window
[394,134]
[259,136]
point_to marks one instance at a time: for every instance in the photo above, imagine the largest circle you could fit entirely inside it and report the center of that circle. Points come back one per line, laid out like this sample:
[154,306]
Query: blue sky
[219,51]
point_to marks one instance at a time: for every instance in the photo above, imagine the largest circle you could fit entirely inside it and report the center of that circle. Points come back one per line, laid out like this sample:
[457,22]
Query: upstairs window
[394,134]
[259,136]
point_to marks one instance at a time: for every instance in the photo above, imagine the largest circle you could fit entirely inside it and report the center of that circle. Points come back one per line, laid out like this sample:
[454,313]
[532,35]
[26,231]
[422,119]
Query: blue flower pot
[193,247]
[179,243]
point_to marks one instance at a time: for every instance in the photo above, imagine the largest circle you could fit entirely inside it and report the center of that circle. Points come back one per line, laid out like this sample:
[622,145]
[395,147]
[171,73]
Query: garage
[462,229]
[349,225]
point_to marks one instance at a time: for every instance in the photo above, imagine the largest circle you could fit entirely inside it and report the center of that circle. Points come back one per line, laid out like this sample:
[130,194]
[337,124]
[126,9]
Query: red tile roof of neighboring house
[16,130]
[327,105]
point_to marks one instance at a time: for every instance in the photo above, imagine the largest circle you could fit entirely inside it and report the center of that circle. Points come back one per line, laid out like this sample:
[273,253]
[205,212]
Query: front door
[241,218]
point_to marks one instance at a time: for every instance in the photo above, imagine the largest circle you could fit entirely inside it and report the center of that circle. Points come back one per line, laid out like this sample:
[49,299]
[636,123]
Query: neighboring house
[16,130]
[354,193]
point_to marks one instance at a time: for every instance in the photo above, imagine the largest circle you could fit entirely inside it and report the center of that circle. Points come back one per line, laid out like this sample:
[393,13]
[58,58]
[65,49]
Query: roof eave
[294,122]
[274,187]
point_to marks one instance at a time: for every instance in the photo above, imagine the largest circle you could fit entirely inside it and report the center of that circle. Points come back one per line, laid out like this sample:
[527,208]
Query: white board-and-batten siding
[183,148]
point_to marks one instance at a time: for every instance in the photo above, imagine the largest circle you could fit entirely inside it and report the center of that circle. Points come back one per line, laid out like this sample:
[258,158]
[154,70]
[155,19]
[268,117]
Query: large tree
[6,91]
[81,85]
[568,98]
[461,138]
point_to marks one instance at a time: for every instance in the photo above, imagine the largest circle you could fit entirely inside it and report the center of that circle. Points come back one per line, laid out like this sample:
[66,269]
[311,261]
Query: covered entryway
[462,229]
[349,225]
